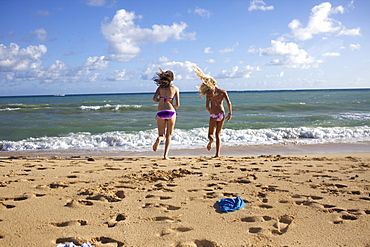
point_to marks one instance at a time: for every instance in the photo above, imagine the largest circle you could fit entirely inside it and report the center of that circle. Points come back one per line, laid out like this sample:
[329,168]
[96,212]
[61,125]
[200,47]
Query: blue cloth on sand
[73,245]
[229,204]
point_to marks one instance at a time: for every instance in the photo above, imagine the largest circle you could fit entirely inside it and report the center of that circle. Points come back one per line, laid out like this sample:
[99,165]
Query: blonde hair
[208,83]
[164,78]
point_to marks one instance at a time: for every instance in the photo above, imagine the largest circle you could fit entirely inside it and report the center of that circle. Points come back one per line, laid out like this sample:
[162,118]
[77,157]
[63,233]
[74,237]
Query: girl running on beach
[214,105]
[165,95]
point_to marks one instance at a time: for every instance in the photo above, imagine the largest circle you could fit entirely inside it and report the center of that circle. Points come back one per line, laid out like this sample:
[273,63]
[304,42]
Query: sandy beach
[290,200]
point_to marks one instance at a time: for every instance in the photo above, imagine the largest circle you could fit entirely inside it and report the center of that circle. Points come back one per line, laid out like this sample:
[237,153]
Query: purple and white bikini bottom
[166,114]
[218,116]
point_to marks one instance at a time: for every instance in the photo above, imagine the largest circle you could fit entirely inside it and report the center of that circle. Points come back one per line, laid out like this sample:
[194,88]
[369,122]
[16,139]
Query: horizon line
[230,91]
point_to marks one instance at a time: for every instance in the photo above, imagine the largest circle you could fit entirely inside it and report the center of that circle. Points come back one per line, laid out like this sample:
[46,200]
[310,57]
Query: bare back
[166,97]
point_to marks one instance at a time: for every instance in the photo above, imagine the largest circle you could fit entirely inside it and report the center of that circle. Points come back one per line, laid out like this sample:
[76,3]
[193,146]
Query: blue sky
[116,46]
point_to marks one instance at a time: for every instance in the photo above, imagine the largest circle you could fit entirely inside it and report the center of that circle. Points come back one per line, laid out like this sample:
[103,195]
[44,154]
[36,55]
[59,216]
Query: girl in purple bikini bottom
[167,96]
[166,114]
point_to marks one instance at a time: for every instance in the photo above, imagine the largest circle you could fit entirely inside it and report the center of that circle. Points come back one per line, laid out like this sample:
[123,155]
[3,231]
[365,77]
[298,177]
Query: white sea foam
[355,116]
[190,139]
[10,109]
[108,106]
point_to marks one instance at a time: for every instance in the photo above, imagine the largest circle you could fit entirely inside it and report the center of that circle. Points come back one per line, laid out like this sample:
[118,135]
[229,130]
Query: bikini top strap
[166,98]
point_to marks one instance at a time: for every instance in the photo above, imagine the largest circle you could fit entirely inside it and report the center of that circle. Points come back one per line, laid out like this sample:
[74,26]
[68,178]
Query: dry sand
[290,200]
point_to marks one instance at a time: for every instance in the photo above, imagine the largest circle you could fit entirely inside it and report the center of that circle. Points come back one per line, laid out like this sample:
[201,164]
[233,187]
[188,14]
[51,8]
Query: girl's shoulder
[221,92]
[173,87]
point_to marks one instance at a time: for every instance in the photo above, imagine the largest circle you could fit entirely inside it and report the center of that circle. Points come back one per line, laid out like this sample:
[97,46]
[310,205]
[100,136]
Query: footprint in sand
[282,224]
[197,243]
[253,219]
[342,218]
[19,198]
[174,231]
[108,197]
[265,206]
[57,185]
[163,206]
[278,228]
[106,240]
[255,229]
[113,222]
[7,206]
[165,219]
[256,219]
[74,203]
[158,197]
[94,241]
[349,217]
[212,195]
[70,223]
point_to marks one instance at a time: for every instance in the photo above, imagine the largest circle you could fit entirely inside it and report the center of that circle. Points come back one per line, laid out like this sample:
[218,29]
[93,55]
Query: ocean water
[126,122]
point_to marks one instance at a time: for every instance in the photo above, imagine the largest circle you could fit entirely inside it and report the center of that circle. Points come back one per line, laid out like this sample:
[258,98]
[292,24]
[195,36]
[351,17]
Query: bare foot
[159,140]
[209,146]
[166,158]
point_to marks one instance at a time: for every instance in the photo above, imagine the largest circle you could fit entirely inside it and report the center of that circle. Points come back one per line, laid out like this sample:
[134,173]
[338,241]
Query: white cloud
[319,22]
[331,54]
[125,37]
[25,64]
[353,47]
[207,50]
[59,72]
[94,77]
[120,75]
[163,59]
[202,12]
[350,32]
[281,74]
[96,63]
[259,5]
[252,50]
[210,61]
[95,2]
[293,57]
[236,72]
[181,70]
[13,58]
[41,34]
[228,50]
[55,72]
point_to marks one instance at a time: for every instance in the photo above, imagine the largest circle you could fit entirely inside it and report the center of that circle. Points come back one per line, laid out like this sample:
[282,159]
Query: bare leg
[211,131]
[161,131]
[219,126]
[170,127]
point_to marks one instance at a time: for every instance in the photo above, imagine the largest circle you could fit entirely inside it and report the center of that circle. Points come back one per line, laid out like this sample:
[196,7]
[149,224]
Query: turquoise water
[127,121]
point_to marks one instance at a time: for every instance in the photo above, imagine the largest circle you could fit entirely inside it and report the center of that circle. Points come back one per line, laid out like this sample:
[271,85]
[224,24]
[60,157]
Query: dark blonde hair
[164,78]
